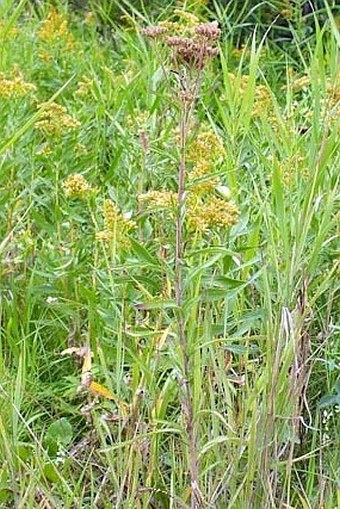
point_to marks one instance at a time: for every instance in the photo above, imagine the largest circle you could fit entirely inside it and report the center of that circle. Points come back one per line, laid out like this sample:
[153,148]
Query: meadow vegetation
[169,259]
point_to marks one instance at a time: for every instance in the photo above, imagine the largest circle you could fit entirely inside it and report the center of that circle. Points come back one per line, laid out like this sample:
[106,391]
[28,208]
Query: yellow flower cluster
[54,30]
[15,86]
[301,83]
[205,147]
[81,149]
[201,178]
[205,210]
[291,168]
[55,119]
[45,56]
[171,27]
[45,150]
[242,51]
[215,212]
[84,87]
[262,102]
[158,199]
[185,26]
[283,127]
[188,18]
[138,121]
[287,13]
[89,18]
[288,10]
[76,186]
[204,152]
[262,97]
[333,90]
[332,100]
[117,226]
[111,215]
[10,33]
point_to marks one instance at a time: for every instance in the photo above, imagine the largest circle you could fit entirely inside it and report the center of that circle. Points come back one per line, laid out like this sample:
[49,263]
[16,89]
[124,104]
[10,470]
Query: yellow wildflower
[44,150]
[185,26]
[239,82]
[206,146]
[105,236]
[171,27]
[90,18]
[242,51]
[287,13]
[301,83]
[159,199]
[15,86]
[200,179]
[76,186]
[84,87]
[204,208]
[112,217]
[10,33]
[288,9]
[138,120]
[45,56]
[81,149]
[189,19]
[117,226]
[262,101]
[111,214]
[55,119]
[262,96]
[291,168]
[54,29]
[215,212]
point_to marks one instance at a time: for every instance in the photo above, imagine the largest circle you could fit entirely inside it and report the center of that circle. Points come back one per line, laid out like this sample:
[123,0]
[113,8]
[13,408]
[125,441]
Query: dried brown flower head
[209,31]
[192,51]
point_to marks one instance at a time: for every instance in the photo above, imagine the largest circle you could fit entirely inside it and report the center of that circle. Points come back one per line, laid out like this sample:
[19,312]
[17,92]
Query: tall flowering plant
[197,207]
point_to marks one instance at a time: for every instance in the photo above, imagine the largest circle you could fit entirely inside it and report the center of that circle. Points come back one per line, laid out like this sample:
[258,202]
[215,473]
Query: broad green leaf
[60,433]
[329,400]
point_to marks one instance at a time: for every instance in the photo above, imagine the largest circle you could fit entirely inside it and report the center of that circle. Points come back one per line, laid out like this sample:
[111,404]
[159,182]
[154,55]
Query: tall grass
[261,298]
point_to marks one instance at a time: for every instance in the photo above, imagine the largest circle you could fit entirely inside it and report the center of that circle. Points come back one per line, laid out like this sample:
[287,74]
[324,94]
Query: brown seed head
[209,31]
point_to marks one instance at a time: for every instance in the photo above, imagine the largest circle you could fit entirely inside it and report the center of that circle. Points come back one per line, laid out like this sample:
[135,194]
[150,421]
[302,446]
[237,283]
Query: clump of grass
[169,259]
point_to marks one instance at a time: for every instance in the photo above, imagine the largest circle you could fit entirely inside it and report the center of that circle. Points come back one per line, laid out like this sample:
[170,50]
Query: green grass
[261,304]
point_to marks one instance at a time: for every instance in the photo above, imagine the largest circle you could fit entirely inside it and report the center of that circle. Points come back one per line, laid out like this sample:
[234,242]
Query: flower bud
[224,192]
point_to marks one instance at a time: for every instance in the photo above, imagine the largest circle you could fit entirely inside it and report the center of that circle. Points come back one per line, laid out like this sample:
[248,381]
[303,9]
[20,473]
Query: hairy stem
[186,396]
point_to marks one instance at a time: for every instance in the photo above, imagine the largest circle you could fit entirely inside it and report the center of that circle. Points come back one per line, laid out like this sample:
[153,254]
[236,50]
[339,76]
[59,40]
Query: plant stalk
[185,387]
